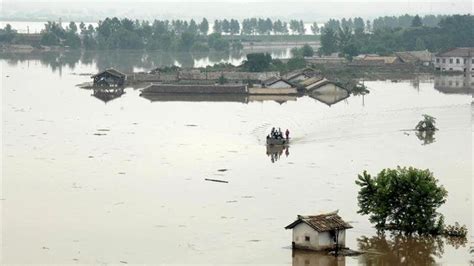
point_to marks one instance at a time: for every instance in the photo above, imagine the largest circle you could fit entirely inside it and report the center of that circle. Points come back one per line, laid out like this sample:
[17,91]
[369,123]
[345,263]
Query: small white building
[319,232]
[457,59]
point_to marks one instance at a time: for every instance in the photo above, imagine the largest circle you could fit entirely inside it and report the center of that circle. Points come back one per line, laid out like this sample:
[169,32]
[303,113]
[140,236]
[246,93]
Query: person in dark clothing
[287,134]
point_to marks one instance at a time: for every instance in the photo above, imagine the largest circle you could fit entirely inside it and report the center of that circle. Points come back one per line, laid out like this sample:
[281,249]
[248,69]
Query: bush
[403,199]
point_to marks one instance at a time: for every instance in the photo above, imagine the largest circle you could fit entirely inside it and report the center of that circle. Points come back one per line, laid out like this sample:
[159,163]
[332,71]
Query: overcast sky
[307,10]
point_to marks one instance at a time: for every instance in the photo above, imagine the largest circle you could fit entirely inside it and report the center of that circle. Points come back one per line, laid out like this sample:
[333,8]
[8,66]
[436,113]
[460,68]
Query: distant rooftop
[458,52]
[322,222]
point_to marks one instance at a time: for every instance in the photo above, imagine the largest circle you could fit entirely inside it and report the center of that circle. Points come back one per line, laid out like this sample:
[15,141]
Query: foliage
[427,124]
[222,80]
[390,34]
[455,230]
[257,62]
[403,199]
[360,89]
[305,51]
[7,34]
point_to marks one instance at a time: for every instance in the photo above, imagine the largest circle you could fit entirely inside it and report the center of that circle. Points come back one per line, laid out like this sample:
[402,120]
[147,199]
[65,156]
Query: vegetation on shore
[384,39]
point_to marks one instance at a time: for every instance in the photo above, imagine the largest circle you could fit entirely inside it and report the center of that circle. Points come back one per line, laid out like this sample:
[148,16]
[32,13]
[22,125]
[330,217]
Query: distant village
[163,82]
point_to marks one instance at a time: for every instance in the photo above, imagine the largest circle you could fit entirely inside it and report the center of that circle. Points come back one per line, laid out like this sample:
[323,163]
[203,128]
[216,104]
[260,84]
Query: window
[306,238]
[451,69]
[444,60]
[458,61]
[472,60]
[451,60]
[465,61]
[437,60]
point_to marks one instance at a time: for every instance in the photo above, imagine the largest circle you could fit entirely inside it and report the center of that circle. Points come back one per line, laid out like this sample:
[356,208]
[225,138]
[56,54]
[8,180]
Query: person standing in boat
[287,133]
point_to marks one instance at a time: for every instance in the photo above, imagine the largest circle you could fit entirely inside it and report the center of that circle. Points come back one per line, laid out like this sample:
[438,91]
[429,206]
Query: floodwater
[123,181]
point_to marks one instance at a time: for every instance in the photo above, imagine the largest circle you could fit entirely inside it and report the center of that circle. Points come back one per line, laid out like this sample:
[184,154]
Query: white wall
[454,66]
[300,232]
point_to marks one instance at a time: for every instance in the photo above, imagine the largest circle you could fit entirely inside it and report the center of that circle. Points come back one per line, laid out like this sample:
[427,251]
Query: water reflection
[400,250]
[426,137]
[108,93]
[130,60]
[238,98]
[276,151]
[311,258]
[455,84]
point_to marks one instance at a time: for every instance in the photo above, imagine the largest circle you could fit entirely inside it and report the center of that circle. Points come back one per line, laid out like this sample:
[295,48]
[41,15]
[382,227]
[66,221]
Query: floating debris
[222,170]
[103,129]
[216,180]
[100,134]
[191,125]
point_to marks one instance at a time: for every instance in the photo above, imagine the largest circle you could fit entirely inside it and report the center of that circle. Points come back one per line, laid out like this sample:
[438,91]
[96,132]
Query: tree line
[450,31]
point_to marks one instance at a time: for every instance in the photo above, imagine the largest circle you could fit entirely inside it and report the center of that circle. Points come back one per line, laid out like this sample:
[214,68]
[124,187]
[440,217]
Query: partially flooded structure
[319,232]
[107,94]
[458,59]
[109,78]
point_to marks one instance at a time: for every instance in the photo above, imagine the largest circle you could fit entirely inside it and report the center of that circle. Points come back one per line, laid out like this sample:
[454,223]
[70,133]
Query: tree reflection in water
[427,137]
[400,250]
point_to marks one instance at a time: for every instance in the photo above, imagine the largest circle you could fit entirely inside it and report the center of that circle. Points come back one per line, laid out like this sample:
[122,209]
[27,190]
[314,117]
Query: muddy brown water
[92,182]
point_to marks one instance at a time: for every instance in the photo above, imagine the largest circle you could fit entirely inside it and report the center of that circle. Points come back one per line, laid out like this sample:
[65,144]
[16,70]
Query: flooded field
[89,181]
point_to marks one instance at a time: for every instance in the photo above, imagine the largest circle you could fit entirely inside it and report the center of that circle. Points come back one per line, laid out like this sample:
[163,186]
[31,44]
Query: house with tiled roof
[319,232]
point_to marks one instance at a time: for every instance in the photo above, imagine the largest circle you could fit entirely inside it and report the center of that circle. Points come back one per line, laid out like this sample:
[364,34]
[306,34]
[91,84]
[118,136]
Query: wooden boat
[274,141]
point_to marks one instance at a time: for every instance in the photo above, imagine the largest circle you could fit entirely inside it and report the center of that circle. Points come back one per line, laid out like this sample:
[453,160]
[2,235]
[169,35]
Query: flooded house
[458,59]
[319,232]
[109,78]
[415,57]
[107,94]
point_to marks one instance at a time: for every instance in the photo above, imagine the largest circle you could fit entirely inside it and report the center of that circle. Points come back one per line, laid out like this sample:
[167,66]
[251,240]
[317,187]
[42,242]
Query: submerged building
[457,59]
[319,232]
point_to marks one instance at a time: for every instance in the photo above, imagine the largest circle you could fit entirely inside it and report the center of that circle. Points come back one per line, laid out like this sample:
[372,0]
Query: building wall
[317,241]
[300,232]
[298,78]
[454,64]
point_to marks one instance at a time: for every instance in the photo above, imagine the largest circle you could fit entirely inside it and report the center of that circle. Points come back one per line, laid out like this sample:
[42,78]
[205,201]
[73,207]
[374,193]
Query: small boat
[275,141]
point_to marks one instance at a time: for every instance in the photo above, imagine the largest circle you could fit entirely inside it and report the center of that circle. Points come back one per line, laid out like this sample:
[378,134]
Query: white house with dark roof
[457,59]
[319,232]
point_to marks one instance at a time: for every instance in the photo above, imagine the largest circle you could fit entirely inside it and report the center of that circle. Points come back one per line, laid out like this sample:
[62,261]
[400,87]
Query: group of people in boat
[277,134]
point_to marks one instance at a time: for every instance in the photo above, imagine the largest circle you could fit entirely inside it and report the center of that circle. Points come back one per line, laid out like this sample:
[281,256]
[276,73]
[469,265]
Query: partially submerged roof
[112,72]
[458,52]
[414,56]
[310,81]
[271,81]
[322,222]
[385,59]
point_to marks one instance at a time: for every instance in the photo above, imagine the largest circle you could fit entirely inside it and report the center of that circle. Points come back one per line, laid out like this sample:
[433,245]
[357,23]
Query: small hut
[109,78]
[319,232]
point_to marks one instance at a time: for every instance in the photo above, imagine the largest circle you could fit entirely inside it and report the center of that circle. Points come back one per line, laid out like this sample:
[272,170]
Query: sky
[307,10]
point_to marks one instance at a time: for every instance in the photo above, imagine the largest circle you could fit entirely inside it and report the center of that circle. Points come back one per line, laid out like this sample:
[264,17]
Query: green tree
[204,26]
[416,22]
[217,27]
[402,199]
[328,41]
[315,28]
[257,62]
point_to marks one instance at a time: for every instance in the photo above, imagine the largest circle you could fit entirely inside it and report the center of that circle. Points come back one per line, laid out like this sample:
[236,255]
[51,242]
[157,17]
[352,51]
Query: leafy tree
[72,27]
[315,28]
[204,26]
[257,62]
[225,26]
[217,27]
[416,22]
[193,27]
[7,34]
[402,199]
[234,26]
[328,41]
[427,124]
[49,39]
